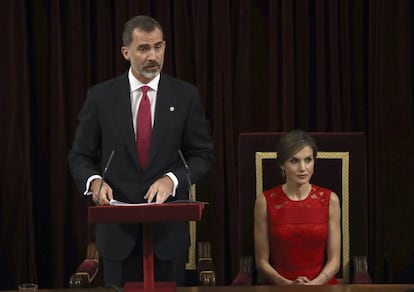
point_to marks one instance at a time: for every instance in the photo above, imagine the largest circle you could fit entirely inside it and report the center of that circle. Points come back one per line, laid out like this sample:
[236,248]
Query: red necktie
[144,127]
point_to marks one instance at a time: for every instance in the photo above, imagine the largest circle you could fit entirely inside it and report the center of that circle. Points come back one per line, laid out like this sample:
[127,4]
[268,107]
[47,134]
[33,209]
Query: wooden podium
[147,214]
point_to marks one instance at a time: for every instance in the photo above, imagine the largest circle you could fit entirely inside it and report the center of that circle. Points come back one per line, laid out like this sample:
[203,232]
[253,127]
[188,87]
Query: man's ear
[124,52]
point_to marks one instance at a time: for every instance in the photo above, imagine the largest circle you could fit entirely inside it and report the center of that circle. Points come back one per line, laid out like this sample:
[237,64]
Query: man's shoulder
[115,82]
[169,80]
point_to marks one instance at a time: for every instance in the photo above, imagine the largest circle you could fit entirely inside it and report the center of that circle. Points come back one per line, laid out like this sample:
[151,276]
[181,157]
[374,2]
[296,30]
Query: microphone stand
[104,172]
[187,174]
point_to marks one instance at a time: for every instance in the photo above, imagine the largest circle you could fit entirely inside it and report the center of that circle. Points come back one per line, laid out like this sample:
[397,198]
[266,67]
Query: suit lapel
[124,117]
[165,105]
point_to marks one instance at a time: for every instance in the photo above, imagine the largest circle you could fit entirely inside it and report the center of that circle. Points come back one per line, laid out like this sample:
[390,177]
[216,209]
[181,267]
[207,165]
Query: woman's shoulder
[273,191]
[274,194]
[321,190]
[325,192]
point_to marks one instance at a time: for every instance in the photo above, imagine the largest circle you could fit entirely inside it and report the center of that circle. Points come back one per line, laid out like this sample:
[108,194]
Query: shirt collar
[135,84]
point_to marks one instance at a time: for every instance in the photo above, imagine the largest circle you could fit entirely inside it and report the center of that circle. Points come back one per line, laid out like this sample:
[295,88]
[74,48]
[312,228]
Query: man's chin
[150,74]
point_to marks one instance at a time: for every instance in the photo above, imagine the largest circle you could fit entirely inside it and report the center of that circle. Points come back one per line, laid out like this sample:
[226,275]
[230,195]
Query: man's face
[146,54]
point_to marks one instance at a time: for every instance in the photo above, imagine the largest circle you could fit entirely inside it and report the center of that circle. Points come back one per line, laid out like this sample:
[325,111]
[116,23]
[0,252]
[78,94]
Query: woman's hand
[301,280]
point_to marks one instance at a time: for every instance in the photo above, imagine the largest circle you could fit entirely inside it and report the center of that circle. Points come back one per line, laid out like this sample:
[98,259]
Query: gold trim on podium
[191,263]
[344,157]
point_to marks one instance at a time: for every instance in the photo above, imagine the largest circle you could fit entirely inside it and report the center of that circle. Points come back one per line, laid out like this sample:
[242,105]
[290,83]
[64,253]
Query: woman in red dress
[297,224]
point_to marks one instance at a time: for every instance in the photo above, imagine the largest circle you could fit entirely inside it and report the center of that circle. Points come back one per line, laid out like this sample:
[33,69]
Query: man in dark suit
[112,120]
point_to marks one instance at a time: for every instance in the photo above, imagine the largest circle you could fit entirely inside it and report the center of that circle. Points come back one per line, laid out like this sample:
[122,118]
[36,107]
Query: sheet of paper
[119,203]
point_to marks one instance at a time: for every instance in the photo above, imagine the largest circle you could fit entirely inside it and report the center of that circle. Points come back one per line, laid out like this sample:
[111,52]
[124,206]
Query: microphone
[187,174]
[105,170]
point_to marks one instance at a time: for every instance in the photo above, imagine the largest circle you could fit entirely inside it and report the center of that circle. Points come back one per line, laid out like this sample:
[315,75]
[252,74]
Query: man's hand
[162,188]
[105,195]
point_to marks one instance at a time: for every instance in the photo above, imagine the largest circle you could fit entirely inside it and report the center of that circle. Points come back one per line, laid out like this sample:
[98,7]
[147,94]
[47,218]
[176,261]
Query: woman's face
[299,167]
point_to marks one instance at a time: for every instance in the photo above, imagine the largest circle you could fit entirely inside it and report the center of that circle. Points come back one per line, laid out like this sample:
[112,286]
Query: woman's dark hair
[293,142]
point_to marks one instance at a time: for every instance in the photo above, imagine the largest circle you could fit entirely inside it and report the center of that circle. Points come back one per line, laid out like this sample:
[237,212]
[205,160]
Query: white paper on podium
[114,202]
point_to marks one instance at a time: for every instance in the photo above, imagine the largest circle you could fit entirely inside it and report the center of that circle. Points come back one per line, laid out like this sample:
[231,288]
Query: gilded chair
[341,166]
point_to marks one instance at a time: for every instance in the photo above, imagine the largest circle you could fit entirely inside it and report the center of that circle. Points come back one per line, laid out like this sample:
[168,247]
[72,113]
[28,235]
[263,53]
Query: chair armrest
[79,281]
[205,265]
[207,278]
[362,278]
[88,269]
[205,272]
[245,275]
[243,279]
[85,274]
[361,275]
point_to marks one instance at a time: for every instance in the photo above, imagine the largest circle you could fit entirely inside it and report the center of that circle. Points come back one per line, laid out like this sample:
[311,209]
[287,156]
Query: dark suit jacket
[105,124]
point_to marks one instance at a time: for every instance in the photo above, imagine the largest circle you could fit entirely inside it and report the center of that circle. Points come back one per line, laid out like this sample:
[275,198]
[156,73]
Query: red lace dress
[298,232]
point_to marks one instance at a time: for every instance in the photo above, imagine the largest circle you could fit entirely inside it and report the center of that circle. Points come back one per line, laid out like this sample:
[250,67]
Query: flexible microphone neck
[187,174]
[108,163]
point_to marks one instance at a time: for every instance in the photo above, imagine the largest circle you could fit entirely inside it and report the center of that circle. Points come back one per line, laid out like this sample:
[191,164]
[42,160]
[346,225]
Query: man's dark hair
[142,22]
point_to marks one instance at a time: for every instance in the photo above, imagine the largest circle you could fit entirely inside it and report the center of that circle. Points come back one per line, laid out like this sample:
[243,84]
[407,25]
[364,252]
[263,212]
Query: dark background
[319,65]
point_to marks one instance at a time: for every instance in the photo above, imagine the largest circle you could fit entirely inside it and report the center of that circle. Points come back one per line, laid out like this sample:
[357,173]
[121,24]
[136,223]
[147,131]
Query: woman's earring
[283,173]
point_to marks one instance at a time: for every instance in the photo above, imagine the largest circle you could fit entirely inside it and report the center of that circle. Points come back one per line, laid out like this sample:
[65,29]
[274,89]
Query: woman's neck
[296,192]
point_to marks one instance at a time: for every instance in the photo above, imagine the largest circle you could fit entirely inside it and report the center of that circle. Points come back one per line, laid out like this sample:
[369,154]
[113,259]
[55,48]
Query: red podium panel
[146,214]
